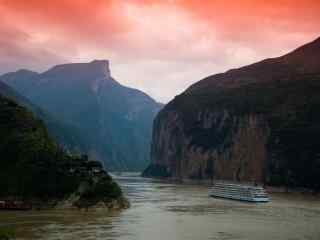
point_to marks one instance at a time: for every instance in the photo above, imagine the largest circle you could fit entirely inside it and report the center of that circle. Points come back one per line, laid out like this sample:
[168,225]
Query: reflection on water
[162,210]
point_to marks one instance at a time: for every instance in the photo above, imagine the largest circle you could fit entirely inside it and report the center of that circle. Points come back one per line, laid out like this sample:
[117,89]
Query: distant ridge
[113,121]
[63,133]
[303,60]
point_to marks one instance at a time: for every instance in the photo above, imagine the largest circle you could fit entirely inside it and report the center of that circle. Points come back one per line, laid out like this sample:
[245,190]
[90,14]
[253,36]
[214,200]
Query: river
[167,211]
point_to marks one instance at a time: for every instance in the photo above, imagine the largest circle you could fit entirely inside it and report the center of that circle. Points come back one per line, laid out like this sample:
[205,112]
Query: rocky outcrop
[101,192]
[258,123]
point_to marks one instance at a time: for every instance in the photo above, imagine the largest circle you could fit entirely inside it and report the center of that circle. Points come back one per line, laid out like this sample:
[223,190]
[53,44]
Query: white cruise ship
[238,192]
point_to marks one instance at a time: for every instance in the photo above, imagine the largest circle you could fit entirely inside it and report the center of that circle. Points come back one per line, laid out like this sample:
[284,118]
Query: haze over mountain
[65,134]
[256,123]
[113,121]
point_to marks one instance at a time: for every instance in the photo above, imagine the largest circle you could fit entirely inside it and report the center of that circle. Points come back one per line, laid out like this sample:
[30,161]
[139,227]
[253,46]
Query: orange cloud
[152,42]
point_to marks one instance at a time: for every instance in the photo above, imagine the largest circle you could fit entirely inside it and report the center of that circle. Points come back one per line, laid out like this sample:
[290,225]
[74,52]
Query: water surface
[162,210]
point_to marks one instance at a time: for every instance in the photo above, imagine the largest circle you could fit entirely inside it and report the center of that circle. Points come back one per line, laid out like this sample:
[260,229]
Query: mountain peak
[24,73]
[303,60]
[309,49]
[317,40]
[77,71]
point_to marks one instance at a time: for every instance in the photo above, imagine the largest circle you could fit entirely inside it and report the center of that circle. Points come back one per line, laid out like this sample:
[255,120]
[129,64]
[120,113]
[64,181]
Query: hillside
[33,168]
[113,122]
[257,123]
[66,135]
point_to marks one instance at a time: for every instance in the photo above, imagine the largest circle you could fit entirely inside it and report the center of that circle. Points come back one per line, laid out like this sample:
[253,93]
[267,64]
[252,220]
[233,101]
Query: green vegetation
[7,233]
[63,133]
[29,159]
[103,190]
[34,167]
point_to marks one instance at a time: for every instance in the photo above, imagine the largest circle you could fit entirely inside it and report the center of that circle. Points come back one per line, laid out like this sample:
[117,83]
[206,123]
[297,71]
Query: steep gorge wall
[261,132]
[228,147]
[257,123]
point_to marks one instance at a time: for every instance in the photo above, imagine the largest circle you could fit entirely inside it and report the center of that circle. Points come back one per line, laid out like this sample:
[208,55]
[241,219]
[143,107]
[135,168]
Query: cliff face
[228,158]
[113,122]
[257,123]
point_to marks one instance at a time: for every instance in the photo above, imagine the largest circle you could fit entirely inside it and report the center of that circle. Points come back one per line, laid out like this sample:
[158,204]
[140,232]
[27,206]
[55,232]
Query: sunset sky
[158,46]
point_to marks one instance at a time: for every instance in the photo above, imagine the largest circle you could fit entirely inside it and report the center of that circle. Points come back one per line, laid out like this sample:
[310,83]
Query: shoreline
[269,188]
[66,204]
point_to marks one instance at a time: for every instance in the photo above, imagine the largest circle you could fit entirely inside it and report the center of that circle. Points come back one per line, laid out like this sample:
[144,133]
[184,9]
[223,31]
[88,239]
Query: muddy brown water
[168,211]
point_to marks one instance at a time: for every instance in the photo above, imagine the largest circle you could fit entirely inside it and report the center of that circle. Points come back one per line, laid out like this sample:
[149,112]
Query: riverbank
[92,193]
[163,210]
[208,183]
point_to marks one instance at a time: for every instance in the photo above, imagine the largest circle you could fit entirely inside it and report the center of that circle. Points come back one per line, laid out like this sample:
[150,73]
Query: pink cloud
[159,46]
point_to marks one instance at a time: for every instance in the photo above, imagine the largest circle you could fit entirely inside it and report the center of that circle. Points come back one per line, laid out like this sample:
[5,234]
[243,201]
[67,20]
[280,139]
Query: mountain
[34,169]
[8,92]
[66,135]
[29,158]
[257,123]
[114,122]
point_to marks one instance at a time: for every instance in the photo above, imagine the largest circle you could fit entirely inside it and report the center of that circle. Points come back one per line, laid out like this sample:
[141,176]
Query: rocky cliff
[113,122]
[257,123]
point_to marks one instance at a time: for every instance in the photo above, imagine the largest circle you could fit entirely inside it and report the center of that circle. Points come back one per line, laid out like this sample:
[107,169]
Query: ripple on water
[162,210]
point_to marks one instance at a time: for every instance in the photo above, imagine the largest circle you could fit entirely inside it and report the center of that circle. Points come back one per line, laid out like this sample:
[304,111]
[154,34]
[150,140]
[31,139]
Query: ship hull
[239,192]
[253,200]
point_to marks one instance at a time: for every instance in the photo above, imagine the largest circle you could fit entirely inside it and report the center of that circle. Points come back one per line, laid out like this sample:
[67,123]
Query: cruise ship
[238,192]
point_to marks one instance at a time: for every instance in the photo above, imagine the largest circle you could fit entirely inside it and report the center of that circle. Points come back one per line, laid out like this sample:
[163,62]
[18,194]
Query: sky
[158,46]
